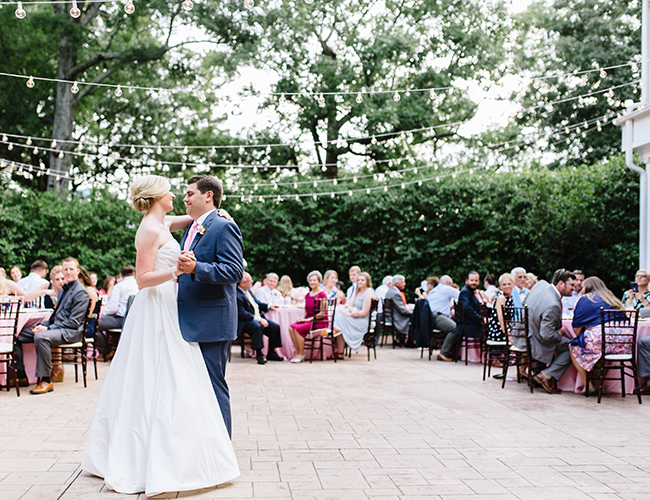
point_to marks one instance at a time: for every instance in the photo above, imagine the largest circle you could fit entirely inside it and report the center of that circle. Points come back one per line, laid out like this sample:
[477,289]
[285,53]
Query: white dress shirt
[440,299]
[32,282]
[381,292]
[120,296]
[267,296]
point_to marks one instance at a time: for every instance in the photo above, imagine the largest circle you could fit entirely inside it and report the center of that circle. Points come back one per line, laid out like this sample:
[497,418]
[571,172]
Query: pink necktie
[190,236]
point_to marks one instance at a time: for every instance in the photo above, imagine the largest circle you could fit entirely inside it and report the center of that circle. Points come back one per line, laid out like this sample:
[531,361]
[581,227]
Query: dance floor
[398,427]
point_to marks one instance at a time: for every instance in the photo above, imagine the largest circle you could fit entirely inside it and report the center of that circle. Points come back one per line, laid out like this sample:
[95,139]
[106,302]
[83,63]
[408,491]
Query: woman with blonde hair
[352,319]
[165,433]
[330,279]
[531,280]
[285,286]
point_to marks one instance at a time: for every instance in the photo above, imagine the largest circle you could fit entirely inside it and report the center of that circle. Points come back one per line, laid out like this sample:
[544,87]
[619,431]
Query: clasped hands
[186,263]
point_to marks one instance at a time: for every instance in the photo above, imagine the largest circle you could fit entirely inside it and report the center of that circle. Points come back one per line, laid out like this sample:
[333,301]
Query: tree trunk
[64,112]
[331,160]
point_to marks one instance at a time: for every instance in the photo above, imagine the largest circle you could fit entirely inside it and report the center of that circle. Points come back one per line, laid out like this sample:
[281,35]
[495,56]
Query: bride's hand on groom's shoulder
[225,215]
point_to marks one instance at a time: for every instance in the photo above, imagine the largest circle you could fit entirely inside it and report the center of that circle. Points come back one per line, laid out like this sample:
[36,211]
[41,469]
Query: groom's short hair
[205,183]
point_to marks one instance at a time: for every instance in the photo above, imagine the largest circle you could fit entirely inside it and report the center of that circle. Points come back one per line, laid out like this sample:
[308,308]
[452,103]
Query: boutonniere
[201,229]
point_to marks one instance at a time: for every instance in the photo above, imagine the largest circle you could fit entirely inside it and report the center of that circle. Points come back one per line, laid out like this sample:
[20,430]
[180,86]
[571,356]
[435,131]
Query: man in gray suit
[401,313]
[65,326]
[545,327]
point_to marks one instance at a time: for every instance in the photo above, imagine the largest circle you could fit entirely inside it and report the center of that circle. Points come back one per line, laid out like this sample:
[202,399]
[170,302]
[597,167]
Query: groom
[212,264]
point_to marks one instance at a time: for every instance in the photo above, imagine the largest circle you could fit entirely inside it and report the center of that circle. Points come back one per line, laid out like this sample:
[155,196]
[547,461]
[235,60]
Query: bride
[158,426]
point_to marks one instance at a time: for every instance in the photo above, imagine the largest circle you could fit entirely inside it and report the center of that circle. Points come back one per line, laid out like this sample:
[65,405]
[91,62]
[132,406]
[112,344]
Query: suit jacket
[472,312]
[207,299]
[401,315]
[70,312]
[245,311]
[544,321]
[421,324]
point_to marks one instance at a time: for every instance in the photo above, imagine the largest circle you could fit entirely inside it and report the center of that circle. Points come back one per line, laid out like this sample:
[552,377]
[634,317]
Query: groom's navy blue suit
[207,299]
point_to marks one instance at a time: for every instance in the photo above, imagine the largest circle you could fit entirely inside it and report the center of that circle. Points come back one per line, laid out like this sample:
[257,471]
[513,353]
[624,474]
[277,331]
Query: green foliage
[585,218]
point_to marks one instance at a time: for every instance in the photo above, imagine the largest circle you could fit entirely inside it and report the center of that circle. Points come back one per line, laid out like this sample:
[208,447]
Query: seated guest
[286,286]
[301,328]
[352,319]
[473,323]
[401,313]
[64,327]
[440,300]
[520,291]
[15,274]
[353,273]
[586,348]
[382,290]
[93,278]
[547,343]
[8,287]
[258,285]
[569,303]
[427,285]
[640,298]
[491,290]
[269,294]
[107,287]
[497,331]
[115,310]
[95,304]
[251,321]
[531,280]
[36,278]
[56,283]
[330,280]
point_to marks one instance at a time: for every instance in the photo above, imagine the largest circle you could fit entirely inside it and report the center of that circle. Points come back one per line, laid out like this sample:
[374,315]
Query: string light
[30,82]
[129,8]
[118,91]
[187,5]
[75,11]
[20,12]
[396,97]
[75,88]
[249,4]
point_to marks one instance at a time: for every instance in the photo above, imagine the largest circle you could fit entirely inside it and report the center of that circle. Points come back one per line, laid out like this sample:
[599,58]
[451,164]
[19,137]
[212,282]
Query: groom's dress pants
[215,355]
[255,330]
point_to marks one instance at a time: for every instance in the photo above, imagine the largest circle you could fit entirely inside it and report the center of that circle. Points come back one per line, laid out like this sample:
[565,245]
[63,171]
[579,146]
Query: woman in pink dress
[300,329]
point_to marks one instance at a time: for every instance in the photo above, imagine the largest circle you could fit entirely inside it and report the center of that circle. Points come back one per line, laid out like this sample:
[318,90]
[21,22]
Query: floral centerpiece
[298,295]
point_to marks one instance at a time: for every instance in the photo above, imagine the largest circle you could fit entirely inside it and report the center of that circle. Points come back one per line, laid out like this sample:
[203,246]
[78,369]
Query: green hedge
[543,220]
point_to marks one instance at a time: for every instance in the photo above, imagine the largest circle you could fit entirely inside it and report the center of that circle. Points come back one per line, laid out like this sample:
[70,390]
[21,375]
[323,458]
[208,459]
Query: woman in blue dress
[352,318]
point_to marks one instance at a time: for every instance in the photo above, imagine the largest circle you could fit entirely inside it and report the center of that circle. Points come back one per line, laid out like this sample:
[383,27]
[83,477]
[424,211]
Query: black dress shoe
[274,357]
[261,360]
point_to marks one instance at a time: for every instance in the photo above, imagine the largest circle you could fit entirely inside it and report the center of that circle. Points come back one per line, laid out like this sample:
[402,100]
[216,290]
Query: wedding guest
[8,287]
[93,278]
[63,327]
[115,310]
[95,304]
[285,286]
[36,277]
[352,319]
[640,298]
[491,290]
[427,285]
[531,280]
[301,328]
[329,286]
[440,300]
[3,272]
[547,343]
[401,313]
[497,331]
[119,278]
[107,287]
[472,312]
[586,348]
[269,294]
[353,273]
[15,273]
[569,303]
[258,285]
[56,283]
[250,320]
[520,291]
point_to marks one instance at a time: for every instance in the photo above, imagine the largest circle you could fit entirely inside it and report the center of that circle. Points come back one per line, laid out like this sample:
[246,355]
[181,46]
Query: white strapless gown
[157,426]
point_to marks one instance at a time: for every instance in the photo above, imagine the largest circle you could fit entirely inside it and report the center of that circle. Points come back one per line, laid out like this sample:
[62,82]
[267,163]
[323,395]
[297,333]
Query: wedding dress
[157,426]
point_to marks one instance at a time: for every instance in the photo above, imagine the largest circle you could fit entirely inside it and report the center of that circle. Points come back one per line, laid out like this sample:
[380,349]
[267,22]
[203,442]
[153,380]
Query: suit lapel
[206,224]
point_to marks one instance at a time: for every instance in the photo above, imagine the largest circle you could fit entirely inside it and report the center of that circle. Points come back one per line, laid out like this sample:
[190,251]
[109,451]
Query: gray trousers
[561,362]
[43,342]
[107,322]
[643,356]
[448,327]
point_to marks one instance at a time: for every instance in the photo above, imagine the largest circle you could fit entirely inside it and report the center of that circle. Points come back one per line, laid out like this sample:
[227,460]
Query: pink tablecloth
[285,316]
[29,317]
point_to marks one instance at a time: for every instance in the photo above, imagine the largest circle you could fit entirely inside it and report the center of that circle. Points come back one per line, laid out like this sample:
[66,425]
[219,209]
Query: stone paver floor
[398,427]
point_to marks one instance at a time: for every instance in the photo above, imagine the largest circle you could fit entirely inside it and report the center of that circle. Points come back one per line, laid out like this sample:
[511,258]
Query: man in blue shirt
[440,300]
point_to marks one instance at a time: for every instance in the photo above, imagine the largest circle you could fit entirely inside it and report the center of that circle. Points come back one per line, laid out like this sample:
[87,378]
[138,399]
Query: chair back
[387,315]
[515,320]
[619,331]
[459,313]
[36,303]
[9,314]
[372,317]
[486,316]
[324,311]
[129,303]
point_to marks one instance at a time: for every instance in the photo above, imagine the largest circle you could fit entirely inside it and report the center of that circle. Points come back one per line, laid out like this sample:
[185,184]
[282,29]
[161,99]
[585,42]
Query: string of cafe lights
[341,142]
[601,121]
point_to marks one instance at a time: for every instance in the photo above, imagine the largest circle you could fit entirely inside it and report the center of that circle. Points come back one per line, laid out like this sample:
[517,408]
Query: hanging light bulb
[315,197]
[354,180]
[309,1]
[118,91]
[578,130]
[60,154]
[213,151]
[187,5]
[4,138]
[331,194]
[350,193]
[159,150]
[581,101]
[35,151]
[437,179]
[403,186]
[359,98]
[53,144]
[75,11]
[321,101]
[132,150]
[185,150]
[396,97]
[249,4]
[20,12]
[10,147]
[282,99]
[75,88]
[600,129]
[566,130]
[315,184]
[255,169]
[420,183]
[385,189]
[373,141]
[335,182]
[603,73]
[161,93]
[28,141]
[30,82]
[241,150]
[202,97]
[268,150]
[432,94]
[635,68]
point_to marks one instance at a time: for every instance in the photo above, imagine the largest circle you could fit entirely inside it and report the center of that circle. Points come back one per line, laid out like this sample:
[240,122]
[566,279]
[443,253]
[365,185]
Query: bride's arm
[147,245]
[177,222]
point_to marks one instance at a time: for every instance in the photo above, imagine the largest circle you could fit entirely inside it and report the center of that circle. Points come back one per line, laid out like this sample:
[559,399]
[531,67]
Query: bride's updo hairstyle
[146,190]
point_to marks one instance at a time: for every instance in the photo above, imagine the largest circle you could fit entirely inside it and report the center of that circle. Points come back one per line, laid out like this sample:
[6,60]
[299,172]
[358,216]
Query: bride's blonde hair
[146,190]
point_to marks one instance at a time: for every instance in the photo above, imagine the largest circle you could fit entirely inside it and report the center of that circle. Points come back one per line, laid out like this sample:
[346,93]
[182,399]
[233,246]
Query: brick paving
[398,427]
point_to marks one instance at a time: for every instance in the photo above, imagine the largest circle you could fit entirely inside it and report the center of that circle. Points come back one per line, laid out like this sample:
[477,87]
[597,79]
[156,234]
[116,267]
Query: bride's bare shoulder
[149,234]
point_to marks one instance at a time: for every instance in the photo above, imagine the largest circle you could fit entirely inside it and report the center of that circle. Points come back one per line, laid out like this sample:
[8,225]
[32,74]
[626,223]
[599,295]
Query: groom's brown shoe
[42,388]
